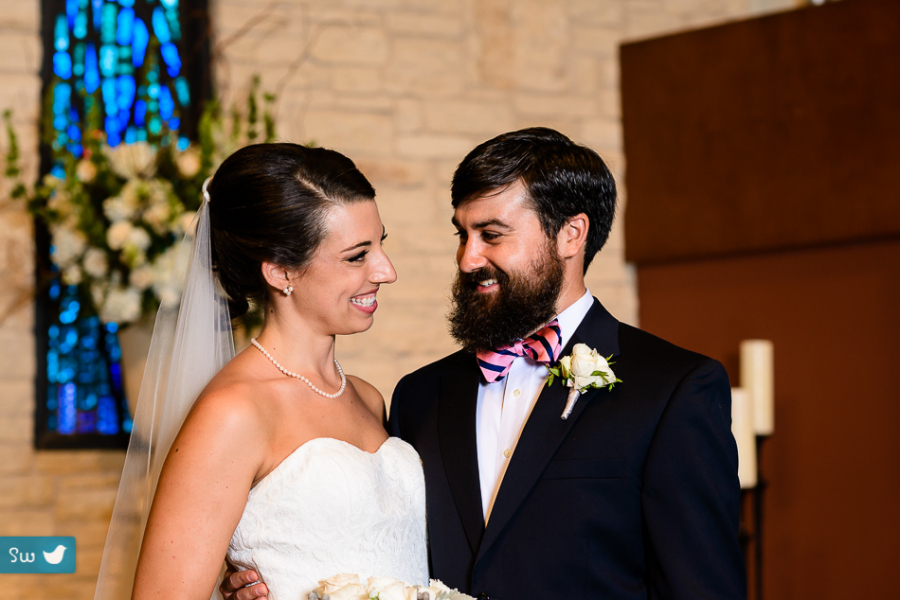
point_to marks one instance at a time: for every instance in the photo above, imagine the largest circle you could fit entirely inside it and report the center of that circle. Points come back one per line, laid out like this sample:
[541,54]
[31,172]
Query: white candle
[744,435]
[758,380]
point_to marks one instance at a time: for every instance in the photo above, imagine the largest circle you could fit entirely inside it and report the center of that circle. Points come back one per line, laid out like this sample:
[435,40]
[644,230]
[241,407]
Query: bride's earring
[287,291]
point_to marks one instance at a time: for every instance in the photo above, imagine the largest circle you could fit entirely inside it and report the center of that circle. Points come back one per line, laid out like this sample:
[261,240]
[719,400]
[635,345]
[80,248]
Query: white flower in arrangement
[122,305]
[129,161]
[98,292]
[68,245]
[71,275]
[142,277]
[122,207]
[95,263]
[118,234]
[163,268]
[188,162]
[61,203]
[85,171]
[158,214]
[183,222]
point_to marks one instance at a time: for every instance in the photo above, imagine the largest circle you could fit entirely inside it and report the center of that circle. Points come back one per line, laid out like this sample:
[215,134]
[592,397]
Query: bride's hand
[234,582]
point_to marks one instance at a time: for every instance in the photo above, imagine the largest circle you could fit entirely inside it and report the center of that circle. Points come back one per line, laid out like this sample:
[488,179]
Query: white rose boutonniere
[582,370]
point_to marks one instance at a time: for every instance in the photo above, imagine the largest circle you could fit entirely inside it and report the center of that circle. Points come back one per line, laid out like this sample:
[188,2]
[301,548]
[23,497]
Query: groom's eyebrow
[483,224]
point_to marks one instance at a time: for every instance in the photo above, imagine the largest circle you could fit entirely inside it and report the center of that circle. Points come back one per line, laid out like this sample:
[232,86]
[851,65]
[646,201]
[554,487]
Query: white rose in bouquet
[387,588]
[336,582]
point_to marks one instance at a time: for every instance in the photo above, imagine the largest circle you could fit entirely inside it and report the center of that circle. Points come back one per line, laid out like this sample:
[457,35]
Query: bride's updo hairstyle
[268,202]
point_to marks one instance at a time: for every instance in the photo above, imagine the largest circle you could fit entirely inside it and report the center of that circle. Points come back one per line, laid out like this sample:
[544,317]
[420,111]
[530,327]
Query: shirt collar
[571,317]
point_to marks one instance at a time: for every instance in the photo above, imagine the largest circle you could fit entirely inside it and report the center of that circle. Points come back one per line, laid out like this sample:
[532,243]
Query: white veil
[192,340]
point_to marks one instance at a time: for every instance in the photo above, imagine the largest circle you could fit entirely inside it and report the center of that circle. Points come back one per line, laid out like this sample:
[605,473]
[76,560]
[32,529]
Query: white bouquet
[345,586]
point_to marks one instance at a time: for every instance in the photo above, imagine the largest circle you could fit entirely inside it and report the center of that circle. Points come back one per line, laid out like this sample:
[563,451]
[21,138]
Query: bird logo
[55,557]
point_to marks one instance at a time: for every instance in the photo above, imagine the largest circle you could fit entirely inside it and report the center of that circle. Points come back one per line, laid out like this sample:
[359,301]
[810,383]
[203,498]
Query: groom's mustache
[473,279]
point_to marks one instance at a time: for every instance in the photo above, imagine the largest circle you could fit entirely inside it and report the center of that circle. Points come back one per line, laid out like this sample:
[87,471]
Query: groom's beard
[523,303]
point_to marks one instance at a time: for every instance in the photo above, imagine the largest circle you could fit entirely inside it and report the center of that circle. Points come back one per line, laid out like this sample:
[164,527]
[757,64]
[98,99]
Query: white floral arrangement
[117,215]
[347,586]
[584,369]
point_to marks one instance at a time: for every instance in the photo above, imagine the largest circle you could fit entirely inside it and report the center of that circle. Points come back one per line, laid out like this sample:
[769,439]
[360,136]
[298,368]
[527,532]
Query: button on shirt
[504,406]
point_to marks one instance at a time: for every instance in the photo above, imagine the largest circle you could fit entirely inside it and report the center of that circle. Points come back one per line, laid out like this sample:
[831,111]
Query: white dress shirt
[504,406]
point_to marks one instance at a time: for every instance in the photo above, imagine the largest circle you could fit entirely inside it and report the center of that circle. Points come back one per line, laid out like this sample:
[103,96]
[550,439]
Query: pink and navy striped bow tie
[542,347]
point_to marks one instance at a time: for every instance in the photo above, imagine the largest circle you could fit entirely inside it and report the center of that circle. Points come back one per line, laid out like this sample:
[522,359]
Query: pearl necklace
[301,377]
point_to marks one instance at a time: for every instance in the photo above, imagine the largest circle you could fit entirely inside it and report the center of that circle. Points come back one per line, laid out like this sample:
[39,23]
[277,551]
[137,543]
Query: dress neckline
[328,439]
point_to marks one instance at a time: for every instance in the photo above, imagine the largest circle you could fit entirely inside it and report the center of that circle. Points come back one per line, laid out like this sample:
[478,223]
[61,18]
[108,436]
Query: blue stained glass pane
[108,25]
[62,65]
[66,412]
[183,143]
[126,2]
[74,132]
[139,41]
[161,26]
[174,123]
[153,90]
[169,3]
[97,8]
[155,125]
[130,135]
[58,172]
[61,33]
[183,91]
[125,26]
[125,91]
[107,416]
[75,149]
[166,104]
[78,61]
[109,96]
[91,71]
[174,24]
[172,59]
[71,13]
[81,26]
[108,55]
[142,135]
[140,110]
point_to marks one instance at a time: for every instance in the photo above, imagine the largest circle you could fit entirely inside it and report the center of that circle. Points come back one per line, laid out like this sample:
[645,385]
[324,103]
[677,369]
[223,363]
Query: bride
[282,462]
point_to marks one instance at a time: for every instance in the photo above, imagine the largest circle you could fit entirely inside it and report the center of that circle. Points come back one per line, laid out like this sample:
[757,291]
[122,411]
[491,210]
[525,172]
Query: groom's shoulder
[659,355]
[460,358]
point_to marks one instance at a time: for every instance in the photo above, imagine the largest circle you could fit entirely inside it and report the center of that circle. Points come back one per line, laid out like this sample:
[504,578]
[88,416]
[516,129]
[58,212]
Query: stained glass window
[132,69]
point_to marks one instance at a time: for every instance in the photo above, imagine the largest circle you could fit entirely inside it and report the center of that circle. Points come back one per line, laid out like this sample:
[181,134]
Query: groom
[635,494]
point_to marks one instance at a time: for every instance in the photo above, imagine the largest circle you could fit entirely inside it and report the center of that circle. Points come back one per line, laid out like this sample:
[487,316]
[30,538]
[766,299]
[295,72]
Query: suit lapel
[545,430]
[458,443]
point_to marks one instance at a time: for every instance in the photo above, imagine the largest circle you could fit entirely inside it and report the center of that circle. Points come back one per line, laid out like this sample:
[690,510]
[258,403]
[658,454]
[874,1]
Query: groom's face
[510,273]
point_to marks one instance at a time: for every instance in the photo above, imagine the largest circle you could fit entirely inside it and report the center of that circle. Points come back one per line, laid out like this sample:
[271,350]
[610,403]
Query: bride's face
[338,289]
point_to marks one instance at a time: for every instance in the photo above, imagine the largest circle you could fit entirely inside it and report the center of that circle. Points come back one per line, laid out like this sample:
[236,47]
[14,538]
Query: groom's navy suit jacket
[634,496]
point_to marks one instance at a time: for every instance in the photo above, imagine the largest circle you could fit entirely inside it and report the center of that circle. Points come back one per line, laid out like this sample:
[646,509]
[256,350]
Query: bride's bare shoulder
[232,398]
[369,394]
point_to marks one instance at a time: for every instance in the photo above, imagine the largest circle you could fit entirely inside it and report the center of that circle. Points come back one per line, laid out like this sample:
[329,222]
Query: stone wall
[405,88]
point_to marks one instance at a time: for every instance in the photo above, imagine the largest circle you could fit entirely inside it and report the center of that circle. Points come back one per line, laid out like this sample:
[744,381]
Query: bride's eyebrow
[366,243]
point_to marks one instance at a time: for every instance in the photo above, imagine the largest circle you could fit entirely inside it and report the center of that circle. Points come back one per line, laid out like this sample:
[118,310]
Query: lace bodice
[332,508]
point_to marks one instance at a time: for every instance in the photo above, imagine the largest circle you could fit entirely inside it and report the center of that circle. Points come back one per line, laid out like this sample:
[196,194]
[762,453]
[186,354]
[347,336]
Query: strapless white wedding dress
[332,508]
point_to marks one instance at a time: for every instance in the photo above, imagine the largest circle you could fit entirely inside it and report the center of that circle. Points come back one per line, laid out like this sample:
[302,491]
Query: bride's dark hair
[268,202]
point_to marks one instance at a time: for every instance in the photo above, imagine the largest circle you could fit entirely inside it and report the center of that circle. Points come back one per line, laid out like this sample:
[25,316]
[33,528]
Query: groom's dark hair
[562,179]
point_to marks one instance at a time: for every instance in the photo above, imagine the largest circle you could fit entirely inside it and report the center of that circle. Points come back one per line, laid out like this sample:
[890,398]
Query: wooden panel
[782,131]
[833,463]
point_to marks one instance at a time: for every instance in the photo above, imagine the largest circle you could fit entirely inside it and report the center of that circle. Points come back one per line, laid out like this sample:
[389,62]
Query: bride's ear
[276,275]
